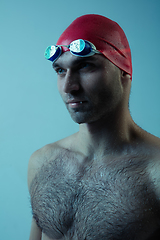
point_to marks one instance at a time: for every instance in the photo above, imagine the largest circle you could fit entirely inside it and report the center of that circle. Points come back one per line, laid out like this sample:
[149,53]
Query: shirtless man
[103,182]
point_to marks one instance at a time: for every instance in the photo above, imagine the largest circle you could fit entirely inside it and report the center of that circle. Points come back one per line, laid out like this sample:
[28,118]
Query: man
[102,182]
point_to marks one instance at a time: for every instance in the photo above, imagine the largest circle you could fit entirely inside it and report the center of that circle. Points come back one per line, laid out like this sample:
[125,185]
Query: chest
[92,201]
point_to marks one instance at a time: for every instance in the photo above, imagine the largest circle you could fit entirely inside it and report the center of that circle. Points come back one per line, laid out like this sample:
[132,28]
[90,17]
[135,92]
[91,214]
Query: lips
[75,103]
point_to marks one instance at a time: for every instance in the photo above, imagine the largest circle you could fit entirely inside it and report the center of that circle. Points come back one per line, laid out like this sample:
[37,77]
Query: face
[89,86]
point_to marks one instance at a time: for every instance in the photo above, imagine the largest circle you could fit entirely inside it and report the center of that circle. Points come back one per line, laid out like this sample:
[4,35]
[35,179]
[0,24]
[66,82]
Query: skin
[96,94]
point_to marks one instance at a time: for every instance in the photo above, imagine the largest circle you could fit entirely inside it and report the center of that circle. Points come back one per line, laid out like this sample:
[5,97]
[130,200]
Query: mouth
[75,103]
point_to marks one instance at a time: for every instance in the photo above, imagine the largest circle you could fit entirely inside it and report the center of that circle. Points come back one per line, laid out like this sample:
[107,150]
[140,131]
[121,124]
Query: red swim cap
[105,34]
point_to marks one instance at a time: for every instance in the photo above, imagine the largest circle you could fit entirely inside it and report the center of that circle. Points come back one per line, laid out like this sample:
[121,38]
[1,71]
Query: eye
[59,71]
[85,65]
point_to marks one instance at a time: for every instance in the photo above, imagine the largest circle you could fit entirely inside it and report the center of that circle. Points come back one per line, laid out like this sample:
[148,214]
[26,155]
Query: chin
[84,118]
[79,118]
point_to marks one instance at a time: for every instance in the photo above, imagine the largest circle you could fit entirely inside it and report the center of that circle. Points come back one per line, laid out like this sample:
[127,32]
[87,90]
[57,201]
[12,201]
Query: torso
[111,197]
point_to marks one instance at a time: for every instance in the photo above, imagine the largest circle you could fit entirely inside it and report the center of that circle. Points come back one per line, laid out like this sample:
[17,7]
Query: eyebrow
[55,65]
[76,61]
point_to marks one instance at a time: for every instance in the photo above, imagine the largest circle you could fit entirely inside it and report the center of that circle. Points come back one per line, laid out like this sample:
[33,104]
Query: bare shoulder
[38,158]
[45,154]
[154,163]
[149,147]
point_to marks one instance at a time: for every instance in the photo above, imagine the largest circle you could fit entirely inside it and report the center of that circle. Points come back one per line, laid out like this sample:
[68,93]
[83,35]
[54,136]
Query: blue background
[31,111]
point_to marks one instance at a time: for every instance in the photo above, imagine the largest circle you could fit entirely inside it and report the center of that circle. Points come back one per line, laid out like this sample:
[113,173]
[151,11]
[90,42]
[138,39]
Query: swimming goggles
[80,47]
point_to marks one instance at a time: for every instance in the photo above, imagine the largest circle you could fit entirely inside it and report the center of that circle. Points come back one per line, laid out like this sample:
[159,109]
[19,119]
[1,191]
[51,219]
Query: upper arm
[39,157]
[35,233]
[33,167]
[34,164]
[154,172]
[36,161]
[156,177]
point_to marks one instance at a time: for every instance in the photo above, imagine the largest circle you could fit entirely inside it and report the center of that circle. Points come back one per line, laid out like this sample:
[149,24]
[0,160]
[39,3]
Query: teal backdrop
[32,113]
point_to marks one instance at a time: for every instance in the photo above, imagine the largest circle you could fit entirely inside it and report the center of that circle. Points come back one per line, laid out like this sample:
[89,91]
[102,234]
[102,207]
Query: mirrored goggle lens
[77,46]
[82,48]
[52,53]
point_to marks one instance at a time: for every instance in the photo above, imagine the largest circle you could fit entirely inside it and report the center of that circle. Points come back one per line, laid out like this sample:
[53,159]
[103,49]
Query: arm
[35,163]
[154,173]
[35,233]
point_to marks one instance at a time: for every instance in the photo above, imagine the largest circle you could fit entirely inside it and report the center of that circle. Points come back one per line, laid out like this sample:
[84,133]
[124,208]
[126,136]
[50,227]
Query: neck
[107,135]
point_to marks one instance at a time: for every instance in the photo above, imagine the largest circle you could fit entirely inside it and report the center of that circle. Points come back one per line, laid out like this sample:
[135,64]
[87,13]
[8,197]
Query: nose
[71,82]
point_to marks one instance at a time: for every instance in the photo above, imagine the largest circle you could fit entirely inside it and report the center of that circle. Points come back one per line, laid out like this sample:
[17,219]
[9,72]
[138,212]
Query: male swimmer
[103,182]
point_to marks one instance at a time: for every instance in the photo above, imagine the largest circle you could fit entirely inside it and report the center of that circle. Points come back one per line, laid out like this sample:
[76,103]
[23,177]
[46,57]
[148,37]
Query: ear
[126,83]
[125,78]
